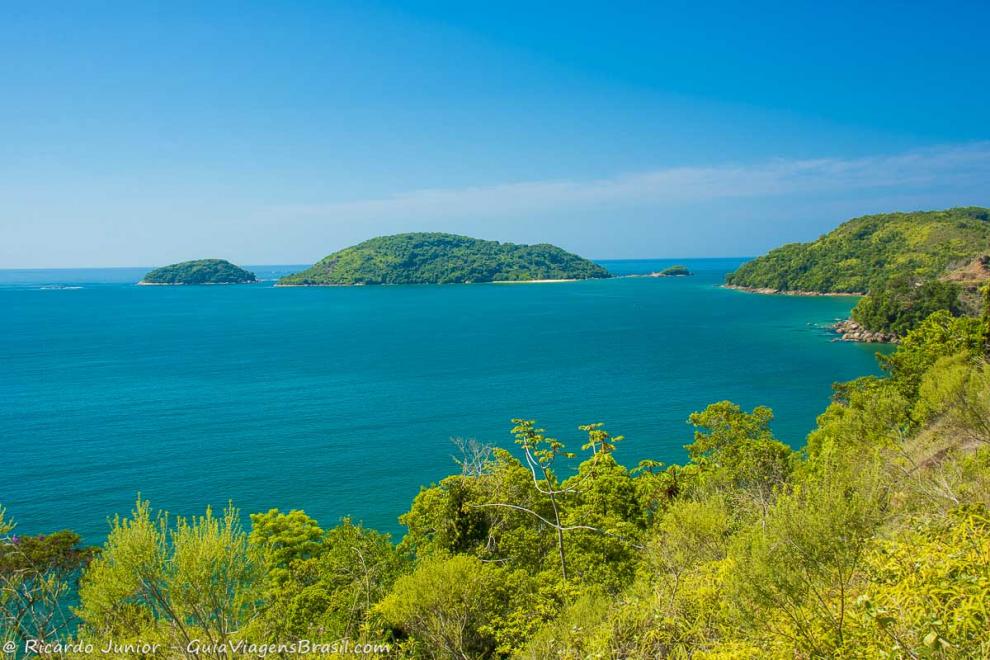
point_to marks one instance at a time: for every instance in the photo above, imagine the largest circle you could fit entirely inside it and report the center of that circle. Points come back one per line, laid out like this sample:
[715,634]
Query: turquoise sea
[342,401]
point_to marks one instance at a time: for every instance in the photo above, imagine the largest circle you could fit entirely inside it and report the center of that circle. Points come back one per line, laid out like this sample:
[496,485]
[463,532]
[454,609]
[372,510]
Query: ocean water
[343,401]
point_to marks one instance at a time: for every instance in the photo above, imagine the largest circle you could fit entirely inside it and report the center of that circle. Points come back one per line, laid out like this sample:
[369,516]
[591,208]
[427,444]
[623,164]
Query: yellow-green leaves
[928,590]
[284,538]
[173,583]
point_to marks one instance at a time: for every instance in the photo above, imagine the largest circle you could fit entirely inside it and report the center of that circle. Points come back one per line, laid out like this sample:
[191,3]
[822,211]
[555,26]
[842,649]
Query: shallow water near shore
[343,400]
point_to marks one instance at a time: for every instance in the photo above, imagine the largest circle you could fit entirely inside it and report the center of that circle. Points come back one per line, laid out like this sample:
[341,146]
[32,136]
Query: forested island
[676,270]
[200,271]
[436,258]
[907,265]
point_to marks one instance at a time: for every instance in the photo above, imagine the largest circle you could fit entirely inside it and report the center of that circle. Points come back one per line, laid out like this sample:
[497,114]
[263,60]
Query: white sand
[530,281]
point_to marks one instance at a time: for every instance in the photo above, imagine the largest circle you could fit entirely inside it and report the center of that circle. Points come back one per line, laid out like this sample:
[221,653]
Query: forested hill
[910,264]
[434,258]
[201,271]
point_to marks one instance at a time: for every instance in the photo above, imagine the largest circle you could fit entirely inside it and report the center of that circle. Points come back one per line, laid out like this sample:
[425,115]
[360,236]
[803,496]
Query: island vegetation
[200,271]
[908,265]
[872,540]
[676,270]
[435,258]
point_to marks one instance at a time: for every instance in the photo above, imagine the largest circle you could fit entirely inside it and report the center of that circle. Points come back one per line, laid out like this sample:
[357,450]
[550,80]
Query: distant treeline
[433,258]
[200,271]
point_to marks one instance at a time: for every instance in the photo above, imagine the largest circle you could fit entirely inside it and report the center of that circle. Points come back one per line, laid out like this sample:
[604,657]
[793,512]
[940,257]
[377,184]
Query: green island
[907,265]
[676,270]
[873,540]
[436,258]
[200,271]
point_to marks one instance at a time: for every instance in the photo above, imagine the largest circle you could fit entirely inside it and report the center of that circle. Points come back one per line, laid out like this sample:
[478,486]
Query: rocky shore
[849,330]
[785,292]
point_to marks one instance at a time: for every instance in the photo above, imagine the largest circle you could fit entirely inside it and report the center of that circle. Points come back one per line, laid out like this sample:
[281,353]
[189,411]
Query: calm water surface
[342,401]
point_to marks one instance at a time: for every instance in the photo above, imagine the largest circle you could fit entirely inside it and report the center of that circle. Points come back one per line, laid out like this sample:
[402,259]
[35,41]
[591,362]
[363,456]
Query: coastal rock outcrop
[849,330]
[788,292]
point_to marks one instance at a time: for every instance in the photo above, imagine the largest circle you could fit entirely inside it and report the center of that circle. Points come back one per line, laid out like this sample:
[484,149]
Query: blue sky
[145,133]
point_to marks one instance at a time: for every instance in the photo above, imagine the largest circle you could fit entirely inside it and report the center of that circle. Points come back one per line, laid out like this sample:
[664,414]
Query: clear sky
[141,133]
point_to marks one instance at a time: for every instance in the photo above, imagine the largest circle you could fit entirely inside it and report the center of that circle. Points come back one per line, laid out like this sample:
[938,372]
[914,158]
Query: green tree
[927,590]
[793,578]
[285,538]
[955,391]
[197,578]
[904,302]
[541,453]
[939,335]
[447,606]
[603,507]
[575,632]
[448,517]
[330,594]
[37,577]
[865,416]
[738,454]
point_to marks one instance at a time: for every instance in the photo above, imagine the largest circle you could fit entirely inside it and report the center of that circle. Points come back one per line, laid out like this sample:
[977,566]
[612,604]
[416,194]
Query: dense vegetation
[902,303]
[872,541]
[424,258]
[201,271]
[906,262]
[675,271]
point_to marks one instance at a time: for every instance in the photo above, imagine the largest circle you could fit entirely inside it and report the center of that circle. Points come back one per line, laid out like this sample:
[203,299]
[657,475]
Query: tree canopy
[201,271]
[435,258]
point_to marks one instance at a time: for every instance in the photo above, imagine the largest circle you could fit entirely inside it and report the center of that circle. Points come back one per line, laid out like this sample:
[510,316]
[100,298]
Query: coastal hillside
[435,258]
[910,264]
[201,271]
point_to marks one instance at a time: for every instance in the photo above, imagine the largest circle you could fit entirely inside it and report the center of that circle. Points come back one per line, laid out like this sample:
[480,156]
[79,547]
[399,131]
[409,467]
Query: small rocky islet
[676,270]
[849,330]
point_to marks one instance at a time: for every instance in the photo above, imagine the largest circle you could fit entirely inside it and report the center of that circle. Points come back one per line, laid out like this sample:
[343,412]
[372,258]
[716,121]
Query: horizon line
[306,265]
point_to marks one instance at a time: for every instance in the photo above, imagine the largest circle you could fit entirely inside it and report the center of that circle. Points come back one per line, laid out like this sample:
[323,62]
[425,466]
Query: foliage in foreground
[872,541]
